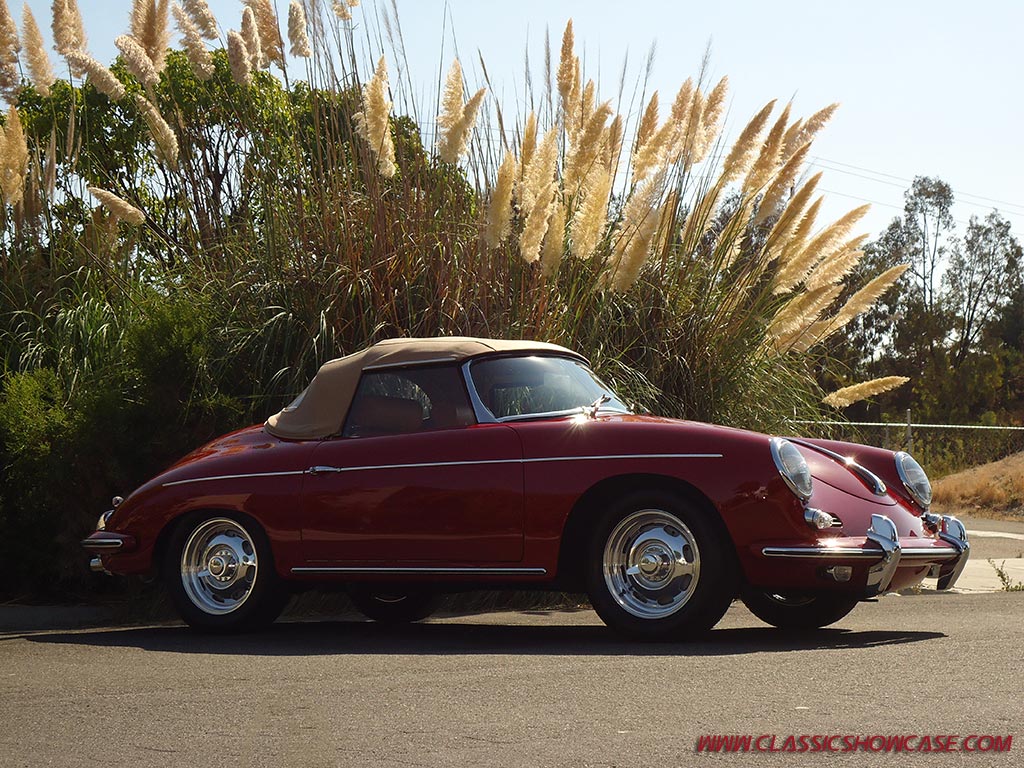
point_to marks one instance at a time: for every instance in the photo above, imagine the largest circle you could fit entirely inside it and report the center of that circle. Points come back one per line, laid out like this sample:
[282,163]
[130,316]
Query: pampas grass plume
[529,143]
[499,210]
[841,398]
[768,158]
[537,223]
[591,217]
[238,57]
[68,30]
[456,120]
[539,173]
[834,267]
[456,140]
[137,60]
[742,153]
[38,61]
[297,36]
[866,297]
[372,123]
[588,146]
[271,44]
[640,219]
[10,45]
[202,17]
[13,159]
[554,240]
[163,137]
[150,29]
[100,77]
[566,77]
[613,142]
[793,212]
[783,180]
[198,56]
[341,10]
[648,124]
[119,209]
[251,36]
[711,117]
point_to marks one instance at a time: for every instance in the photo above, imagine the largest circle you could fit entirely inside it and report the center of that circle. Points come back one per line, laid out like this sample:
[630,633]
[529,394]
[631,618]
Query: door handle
[318,470]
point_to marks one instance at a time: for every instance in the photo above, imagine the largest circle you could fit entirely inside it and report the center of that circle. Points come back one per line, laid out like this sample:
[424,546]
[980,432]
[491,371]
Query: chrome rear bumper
[884,550]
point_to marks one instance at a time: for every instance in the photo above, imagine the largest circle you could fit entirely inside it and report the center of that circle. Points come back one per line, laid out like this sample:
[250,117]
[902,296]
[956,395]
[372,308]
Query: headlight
[914,479]
[101,524]
[792,467]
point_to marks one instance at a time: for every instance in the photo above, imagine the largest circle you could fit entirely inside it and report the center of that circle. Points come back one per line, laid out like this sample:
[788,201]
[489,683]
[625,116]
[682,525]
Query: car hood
[831,471]
[824,469]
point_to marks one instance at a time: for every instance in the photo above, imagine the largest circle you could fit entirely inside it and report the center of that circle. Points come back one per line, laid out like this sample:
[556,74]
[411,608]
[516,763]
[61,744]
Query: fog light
[840,572]
[818,519]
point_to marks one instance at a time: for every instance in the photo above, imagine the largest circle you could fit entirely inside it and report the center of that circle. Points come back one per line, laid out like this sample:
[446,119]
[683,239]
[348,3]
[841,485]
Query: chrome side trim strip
[101,543]
[626,456]
[234,477]
[501,571]
[427,464]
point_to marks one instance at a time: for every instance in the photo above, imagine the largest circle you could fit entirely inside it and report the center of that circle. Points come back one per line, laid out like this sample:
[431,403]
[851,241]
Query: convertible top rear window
[539,386]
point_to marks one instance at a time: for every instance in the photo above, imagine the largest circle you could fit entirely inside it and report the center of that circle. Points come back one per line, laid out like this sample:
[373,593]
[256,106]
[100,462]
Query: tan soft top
[320,411]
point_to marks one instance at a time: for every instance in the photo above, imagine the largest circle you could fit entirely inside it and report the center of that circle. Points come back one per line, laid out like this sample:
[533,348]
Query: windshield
[526,387]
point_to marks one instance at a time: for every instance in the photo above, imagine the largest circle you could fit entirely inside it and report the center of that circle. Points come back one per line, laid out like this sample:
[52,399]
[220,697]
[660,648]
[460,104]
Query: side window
[399,401]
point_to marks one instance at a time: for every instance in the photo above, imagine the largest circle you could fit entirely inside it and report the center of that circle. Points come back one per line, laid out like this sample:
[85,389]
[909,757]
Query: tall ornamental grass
[188,233]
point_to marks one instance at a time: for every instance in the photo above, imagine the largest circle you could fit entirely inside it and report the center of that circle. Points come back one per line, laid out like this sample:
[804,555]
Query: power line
[957,193]
[878,202]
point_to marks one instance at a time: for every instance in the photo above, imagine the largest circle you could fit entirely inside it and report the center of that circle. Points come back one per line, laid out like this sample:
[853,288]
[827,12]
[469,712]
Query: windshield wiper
[592,409]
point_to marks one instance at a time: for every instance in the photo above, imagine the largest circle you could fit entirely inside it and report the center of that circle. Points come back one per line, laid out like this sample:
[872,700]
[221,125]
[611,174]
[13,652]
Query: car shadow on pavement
[448,638]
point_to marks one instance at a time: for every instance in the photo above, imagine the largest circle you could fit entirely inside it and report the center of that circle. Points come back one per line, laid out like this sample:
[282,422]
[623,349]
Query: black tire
[651,529]
[797,611]
[394,606]
[251,595]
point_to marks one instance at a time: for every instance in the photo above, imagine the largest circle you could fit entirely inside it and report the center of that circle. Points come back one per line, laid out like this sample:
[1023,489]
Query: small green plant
[1004,577]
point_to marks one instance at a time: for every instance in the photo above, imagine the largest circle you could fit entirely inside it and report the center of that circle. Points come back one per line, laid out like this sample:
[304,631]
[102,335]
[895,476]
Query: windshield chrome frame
[484,416]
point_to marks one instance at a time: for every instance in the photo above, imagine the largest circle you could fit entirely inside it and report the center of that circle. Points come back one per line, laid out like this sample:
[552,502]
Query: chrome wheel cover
[651,564]
[218,566]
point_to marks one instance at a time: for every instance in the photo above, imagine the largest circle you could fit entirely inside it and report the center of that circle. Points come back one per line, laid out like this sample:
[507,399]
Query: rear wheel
[790,611]
[658,568]
[219,572]
[389,606]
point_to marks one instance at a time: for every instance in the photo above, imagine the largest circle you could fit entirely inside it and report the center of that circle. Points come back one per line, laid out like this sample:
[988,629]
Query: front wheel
[659,568]
[219,572]
[393,606]
[797,611]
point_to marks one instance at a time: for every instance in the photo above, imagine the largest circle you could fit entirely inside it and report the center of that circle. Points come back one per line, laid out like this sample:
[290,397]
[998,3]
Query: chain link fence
[941,448]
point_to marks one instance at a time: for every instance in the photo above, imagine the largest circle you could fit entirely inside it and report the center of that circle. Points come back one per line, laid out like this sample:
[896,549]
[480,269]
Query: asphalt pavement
[514,689]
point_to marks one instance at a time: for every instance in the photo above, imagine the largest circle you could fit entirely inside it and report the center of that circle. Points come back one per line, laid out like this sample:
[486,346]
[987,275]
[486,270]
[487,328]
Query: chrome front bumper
[884,550]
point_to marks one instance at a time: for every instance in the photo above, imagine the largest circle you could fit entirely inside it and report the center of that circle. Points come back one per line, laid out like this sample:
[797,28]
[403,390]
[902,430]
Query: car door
[413,479]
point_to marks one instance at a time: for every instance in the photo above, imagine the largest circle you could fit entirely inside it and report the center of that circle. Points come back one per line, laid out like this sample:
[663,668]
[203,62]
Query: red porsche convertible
[421,466]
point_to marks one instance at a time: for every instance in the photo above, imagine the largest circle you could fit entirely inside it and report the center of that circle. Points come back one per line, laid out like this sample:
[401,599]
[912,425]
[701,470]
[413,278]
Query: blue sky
[928,88]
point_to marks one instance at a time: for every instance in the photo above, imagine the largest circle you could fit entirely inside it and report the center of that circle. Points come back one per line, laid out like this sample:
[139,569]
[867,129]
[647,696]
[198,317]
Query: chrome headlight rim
[922,496]
[779,446]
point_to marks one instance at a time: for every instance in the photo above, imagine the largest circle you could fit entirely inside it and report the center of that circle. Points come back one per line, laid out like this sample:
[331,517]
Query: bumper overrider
[946,555]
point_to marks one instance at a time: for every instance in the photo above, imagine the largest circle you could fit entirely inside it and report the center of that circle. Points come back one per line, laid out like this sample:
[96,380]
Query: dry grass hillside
[991,490]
